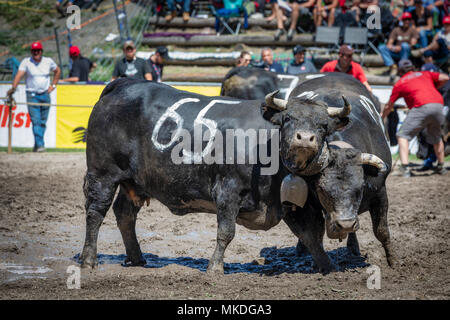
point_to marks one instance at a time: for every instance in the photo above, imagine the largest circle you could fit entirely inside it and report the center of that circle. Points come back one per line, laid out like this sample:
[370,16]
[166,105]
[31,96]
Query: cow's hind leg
[378,212]
[126,214]
[227,211]
[99,193]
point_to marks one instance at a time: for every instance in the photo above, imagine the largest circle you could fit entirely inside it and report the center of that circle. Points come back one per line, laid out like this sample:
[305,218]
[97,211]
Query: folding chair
[359,37]
[329,36]
[232,8]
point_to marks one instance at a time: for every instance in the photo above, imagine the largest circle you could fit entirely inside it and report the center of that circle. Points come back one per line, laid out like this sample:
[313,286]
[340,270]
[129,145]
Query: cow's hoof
[137,263]
[393,262]
[89,263]
[215,269]
[327,268]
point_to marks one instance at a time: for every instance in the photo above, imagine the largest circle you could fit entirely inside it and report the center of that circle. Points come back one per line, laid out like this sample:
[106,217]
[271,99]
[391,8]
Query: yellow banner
[71,123]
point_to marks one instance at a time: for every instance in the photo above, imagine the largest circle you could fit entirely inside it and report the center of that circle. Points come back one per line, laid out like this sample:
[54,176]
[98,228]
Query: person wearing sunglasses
[131,66]
[37,70]
[346,64]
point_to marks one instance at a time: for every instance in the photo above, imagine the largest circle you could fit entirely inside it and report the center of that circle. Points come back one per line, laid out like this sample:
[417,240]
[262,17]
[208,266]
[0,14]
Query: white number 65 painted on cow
[190,157]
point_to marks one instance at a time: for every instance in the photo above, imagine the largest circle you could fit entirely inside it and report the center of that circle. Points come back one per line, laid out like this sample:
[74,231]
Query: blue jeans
[186,5]
[38,116]
[423,34]
[389,56]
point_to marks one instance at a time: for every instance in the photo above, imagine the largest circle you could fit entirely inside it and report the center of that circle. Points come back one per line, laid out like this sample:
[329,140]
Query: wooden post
[10,106]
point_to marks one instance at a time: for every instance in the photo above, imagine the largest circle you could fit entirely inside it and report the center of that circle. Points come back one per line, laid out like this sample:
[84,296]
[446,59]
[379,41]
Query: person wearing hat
[425,104]
[37,70]
[346,64]
[131,66]
[399,44]
[428,59]
[81,66]
[299,64]
[440,45]
[156,63]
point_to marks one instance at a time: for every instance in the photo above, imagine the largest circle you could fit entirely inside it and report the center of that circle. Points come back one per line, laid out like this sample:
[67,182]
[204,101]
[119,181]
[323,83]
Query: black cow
[249,83]
[356,162]
[133,141]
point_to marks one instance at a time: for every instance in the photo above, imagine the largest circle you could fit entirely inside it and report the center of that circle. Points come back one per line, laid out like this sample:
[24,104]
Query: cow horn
[340,112]
[373,160]
[275,103]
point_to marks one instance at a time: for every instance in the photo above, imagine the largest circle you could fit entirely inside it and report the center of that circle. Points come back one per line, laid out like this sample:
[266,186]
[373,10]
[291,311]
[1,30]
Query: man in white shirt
[37,70]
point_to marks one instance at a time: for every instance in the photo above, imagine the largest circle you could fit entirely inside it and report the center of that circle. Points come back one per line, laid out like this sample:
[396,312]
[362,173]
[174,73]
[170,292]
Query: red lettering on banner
[17,119]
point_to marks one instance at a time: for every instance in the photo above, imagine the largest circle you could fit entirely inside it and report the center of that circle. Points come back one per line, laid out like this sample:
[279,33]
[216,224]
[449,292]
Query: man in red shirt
[347,65]
[425,104]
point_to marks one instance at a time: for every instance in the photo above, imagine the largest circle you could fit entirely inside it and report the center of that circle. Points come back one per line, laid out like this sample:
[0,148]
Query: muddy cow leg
[353,245]
[227,211]
[378,212]
[309,227]
[99,193]
[126,214]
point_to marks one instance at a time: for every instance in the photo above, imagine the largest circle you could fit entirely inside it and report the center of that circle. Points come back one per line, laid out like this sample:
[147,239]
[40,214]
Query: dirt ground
[42,223]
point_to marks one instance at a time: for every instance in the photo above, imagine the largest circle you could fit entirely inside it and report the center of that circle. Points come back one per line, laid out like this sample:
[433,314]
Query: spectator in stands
[429,63]
[275,8]
[81,66]
[440,45]
[325,10]
[423,21]
[299,8]
[131,66]
[173,13]
[419,89]
[37,70]
[346,64]
[268,63]
[244,59]
[398,47]
[156,63]
[359,7]
[300,65]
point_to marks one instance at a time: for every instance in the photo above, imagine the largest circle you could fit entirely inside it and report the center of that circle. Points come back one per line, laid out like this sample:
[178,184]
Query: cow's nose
[305,139]
[350,225]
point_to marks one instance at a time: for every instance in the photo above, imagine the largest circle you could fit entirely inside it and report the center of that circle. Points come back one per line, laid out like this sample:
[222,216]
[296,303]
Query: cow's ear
[271,114]
[370,170]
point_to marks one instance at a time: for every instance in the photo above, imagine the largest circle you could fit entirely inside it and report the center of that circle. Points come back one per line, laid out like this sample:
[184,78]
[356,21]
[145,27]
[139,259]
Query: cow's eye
[287,119]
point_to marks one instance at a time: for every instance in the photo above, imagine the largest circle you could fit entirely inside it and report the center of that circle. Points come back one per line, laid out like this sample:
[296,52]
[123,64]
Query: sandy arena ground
[42,223]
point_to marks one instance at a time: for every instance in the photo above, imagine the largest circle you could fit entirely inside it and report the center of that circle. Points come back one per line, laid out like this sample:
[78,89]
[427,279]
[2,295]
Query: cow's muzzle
[339,229]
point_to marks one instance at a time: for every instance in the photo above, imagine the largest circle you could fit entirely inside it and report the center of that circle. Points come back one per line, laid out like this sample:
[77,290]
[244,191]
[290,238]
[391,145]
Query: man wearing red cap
[81,66]
[440,45]
[399,45]
[346,64]
[425,104]
[37,70]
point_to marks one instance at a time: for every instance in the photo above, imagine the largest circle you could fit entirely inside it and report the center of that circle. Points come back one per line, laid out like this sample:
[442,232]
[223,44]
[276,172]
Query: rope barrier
[47,104]
[13,3]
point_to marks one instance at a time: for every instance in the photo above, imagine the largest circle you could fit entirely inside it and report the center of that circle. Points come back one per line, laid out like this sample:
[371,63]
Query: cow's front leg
[378,212]
[227,211]
[308,225]
[353,245]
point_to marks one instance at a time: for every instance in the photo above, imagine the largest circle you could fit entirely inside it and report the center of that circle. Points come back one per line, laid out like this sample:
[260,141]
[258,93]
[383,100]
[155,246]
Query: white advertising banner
[22,133]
